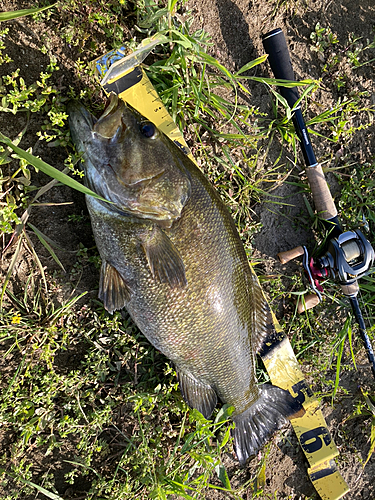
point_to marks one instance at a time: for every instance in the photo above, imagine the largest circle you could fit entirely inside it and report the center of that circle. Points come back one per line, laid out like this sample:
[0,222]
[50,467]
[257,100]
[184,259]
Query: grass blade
[338,365]
[37,260]
[49,170]
[280,83]
[371,407]
[45,492]
[65,308]
[171,5]
[340,351]
[223,476]
[44,242]
[11,268]
[7,16]
[351,345]
[372,442]
[369,403]
[251,64]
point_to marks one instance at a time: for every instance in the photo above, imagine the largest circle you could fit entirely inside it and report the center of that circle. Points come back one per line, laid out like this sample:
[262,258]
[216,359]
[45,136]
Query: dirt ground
[236,27]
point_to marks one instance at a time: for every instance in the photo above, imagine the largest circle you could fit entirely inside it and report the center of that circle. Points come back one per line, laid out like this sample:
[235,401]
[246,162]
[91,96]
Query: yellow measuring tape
[132,85]
[311,429]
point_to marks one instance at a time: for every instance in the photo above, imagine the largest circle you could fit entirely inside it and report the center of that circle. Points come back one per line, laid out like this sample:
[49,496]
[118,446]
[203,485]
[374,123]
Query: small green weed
[322,39]
[53,403]
[87,388]
[87,22]
[333,55]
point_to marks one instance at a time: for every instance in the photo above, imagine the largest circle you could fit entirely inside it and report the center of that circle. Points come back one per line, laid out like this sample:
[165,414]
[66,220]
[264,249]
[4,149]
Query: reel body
[348,257]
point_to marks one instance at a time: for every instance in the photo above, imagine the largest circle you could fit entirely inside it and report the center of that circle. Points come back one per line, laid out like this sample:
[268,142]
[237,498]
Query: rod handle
[350,290]
[285,257]
[275,46]
[311,300]
[323,201]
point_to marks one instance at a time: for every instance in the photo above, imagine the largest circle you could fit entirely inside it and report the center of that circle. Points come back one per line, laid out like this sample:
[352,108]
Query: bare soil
[236,28]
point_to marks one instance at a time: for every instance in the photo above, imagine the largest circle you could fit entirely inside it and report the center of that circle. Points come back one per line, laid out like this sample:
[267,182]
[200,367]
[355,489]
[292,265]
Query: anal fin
[197,395]
[163,257]
[113,291]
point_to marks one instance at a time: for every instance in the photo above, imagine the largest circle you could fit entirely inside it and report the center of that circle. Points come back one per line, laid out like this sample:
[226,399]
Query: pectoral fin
[113,290]
[198,395]
[163,257]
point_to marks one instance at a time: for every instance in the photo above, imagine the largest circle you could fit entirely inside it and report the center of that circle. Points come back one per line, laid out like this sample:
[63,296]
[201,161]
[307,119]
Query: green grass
[85,397]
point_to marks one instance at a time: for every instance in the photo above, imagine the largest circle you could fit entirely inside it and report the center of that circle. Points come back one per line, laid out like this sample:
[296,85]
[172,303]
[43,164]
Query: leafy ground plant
[89,409]
[74,408]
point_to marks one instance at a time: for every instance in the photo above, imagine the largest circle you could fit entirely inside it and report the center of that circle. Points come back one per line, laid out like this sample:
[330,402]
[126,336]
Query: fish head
[129,162]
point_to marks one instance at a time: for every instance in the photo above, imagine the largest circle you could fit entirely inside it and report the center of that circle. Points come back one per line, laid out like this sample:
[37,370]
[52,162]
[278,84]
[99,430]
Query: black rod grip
[275,46]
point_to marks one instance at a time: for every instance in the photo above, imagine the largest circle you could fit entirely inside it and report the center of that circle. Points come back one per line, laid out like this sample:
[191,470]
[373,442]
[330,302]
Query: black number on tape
[331,469]
[302,390]
[312,441]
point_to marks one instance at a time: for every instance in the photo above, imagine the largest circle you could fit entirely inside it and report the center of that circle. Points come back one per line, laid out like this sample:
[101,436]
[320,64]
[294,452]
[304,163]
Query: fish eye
[148,129]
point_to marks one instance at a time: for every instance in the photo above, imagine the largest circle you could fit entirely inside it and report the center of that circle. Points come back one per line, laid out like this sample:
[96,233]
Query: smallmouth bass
[171,255]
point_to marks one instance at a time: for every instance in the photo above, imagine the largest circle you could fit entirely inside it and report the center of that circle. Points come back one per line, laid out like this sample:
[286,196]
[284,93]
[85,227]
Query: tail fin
[268,414]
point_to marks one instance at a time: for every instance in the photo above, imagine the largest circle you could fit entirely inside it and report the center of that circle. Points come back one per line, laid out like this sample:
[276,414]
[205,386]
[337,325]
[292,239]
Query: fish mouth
[108,126]
[111,122]
[79,116]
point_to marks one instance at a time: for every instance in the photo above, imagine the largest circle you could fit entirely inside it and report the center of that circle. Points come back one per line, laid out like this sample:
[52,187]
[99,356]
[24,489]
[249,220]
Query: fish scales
[179,321]
[172,256]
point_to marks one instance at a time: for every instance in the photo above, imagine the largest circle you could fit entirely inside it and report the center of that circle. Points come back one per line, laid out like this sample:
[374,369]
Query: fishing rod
[345,256]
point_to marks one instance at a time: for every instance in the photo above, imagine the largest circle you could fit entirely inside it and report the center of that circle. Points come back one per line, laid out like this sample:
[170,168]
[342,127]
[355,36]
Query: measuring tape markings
[315,439]
[328,481]
[135,88]
[311,430]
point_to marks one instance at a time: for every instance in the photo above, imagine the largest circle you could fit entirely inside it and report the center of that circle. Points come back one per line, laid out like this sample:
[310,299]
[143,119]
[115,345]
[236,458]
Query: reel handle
[310,300]
[289,255]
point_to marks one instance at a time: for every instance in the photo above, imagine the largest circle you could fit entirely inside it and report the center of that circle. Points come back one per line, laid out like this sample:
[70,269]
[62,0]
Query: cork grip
[285,257]
[311,300]
[323,200]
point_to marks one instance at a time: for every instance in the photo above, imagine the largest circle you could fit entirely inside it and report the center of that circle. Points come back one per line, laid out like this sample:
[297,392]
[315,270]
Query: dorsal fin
[113,290]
